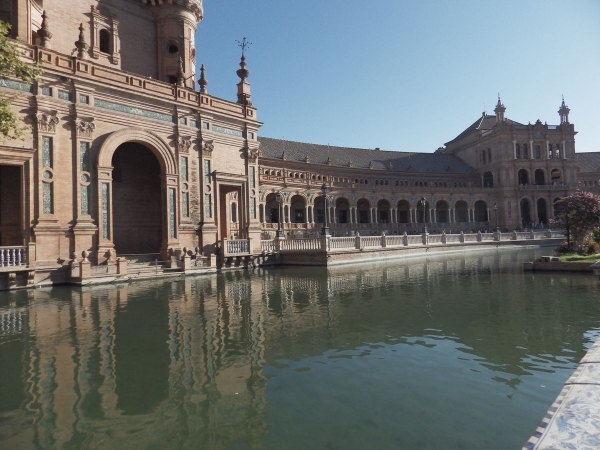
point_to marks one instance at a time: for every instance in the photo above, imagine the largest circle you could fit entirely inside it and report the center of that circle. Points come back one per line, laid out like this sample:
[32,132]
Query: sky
[405,75]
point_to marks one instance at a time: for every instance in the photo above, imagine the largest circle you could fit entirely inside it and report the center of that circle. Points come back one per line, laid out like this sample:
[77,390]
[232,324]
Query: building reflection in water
[180,363]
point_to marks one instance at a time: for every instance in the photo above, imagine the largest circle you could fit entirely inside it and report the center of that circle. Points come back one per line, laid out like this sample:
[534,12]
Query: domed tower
[176,22]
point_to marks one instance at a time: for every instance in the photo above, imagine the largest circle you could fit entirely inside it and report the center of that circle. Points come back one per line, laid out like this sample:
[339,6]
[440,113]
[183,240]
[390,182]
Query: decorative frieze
[184,144]
[98,103]
[85,128]
[207,148]
[46,121]
[228,131]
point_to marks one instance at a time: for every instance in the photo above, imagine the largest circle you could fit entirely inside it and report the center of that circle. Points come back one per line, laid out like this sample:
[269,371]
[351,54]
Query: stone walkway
[573,420]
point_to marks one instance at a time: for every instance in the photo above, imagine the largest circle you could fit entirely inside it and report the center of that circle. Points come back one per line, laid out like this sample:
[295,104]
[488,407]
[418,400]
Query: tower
[176,22]
[499,110]
[563,112]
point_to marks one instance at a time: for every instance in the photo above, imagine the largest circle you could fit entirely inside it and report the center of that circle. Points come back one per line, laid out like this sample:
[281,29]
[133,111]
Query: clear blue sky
[406,76]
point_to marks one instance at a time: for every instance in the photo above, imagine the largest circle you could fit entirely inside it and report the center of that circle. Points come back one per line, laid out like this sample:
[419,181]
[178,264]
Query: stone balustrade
[13,257]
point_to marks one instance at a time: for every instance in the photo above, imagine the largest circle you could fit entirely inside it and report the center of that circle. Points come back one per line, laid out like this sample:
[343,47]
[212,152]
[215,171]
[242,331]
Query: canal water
[453,352]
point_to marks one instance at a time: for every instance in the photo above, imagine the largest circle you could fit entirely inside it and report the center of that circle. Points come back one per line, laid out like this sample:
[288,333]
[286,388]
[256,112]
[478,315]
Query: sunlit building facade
[129,154]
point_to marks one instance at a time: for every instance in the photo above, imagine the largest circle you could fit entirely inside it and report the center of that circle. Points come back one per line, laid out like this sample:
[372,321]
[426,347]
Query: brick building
[126,157]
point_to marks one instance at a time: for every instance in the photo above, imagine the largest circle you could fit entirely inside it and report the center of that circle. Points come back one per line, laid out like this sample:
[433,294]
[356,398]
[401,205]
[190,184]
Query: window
[517,151]
[172,79]
[205,126]
[525,154]
[550,152]
[173,49]
[538,152]
[104,41]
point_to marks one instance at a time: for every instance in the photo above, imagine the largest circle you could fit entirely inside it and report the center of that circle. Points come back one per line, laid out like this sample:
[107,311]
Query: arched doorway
[342,207]
[363,211]
[523,177]
[298,209]
[525,213]
[540,177]
[541,210]
[556,176]
[488,179]
[441,209]
[403,211]
[136,200]
[383,211]
[11,195]
[462,211]
[481,213]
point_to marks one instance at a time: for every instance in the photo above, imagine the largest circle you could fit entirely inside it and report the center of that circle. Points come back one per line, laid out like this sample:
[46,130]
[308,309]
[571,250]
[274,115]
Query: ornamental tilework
[207,205]
[105,211]
[252,208]
[84,156]
[46,151]
[131,110]
[85,195]
[47,198]
[184,168]
[185,202]
[25,87]
[172,213]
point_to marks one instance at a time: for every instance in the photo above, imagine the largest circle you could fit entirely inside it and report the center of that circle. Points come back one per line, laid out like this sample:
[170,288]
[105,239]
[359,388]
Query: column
[306,214]
[488,214]
[531,152]
[335,217]
[434,213]
[548,153]
[563,149]
[410,215]
[514,149]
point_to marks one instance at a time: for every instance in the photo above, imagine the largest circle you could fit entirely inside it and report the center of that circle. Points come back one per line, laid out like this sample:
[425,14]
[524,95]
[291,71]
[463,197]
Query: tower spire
[563,112]
[243,86]
[44,32]
[499,110]
[202,81]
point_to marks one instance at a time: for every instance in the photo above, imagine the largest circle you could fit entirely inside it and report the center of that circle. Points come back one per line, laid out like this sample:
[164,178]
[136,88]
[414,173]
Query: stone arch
[363,210]
[525,209]
[542,213]
[403,211]
[441,211]
[149,139]
[462,211]
[298,203]
[480,211]
[342,210]
[540,176]
[523,176]
[383,211]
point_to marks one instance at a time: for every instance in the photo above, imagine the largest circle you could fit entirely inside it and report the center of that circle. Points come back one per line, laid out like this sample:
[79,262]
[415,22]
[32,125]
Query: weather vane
[244,44]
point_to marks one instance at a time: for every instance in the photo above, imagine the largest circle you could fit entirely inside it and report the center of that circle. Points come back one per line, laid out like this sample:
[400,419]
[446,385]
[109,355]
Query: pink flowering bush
[579,215]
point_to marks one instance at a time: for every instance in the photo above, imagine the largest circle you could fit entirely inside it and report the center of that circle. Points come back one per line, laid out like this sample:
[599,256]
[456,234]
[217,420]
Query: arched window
[525,152]
[550,152]
[104,41]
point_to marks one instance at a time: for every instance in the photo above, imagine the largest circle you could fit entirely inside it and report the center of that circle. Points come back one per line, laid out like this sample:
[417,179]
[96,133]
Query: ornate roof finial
[499,104]
[44,31]
[563,112]
[499,110]
[180,73]
[243,73]
[202,81]
[81,44]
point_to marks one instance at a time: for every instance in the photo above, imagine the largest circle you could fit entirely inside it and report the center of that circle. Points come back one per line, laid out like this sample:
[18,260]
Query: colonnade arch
[155,211]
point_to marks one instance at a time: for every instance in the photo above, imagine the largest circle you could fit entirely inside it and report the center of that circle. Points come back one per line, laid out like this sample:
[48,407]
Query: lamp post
[423,201]
[280,234]
[325,230]
[496,212]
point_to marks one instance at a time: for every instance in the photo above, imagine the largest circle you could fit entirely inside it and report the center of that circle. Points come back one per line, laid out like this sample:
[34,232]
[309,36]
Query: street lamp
[423,201]
[496,211]
[325,230]
[280,234]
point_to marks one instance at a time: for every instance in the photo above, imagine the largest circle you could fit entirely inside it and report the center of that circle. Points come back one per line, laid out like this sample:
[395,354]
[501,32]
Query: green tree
[579,215]
[12,67]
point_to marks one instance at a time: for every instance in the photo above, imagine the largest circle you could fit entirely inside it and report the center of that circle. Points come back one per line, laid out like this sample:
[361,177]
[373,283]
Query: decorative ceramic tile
[207,206]
[228,131]
[576,422]
[47,199]
[85,207]
[593,354]
[64,95]
[185,201]
[131,110]
[84,156]
[172,213]
[16,85]
[47,151]
[586,374]
[104,210]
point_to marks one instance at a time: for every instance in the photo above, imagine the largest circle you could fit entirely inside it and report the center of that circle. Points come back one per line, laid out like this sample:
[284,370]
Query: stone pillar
[85,266]
[306,214]
[531,152]
[514,149]
[434,214]
[425,237]
[122,266]
[383,240]
[443,238]
[335,218]
[563,150]
[405,239]
[410,215]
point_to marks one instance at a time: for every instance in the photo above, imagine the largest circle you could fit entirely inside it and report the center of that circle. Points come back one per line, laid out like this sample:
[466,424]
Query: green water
[455,352]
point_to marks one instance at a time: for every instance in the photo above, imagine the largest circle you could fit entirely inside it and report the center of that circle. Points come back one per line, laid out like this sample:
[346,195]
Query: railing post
[405,239]
[531,235]
[514,235]
[324,242]
[85,266]
[548,233]
[461,238]
[497,235]
[383,240]
[31,256]
[122,266]
[443,238]
[479,238]
[425,237]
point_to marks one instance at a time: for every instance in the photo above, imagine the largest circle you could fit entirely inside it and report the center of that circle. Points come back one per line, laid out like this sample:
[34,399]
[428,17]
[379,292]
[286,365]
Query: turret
[499,110]
[563,112]
[176,27]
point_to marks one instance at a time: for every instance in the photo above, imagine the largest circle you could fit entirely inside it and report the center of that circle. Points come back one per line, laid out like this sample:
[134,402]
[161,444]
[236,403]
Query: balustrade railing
[267,246]
[300,244]
[237,246]
[370,241]
[339,243]
[414,240]
[393,241]
[13,257]
[487,237]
